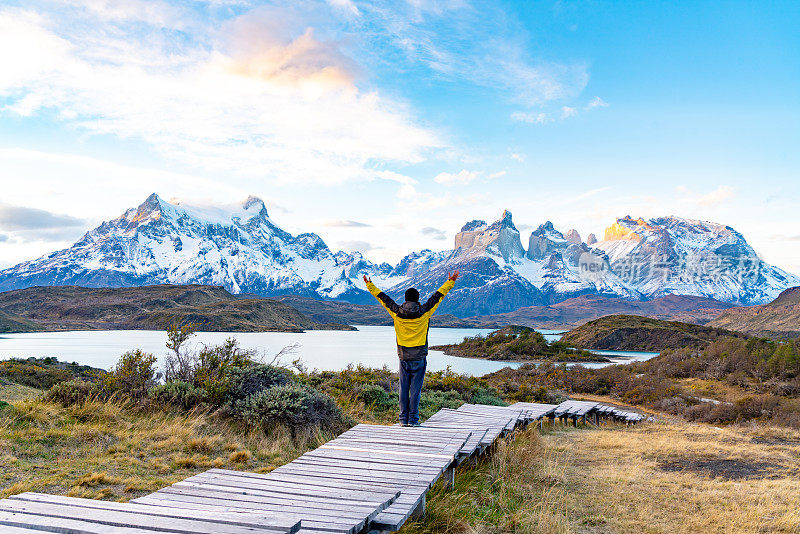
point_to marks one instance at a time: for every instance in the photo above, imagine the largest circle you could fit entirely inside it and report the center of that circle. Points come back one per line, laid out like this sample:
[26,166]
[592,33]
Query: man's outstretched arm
[387,302]
[436,299]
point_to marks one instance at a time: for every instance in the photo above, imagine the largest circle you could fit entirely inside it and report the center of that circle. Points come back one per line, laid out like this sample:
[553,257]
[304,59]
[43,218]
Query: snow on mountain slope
[237,247]
[671,255]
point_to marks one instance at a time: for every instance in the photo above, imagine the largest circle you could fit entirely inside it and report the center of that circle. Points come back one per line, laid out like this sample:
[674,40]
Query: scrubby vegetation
[43,373]
[515,343]
[731,380]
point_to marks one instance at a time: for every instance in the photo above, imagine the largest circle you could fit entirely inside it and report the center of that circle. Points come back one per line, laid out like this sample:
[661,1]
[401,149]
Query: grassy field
[668,477]
[106,450]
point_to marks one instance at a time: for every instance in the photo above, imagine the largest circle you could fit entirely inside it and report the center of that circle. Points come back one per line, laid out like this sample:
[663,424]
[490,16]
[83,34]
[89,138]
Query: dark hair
[412,295]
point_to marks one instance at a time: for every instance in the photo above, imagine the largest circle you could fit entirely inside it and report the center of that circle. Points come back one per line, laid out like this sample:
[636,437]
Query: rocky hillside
[632,332]
[150,307]
[778,319]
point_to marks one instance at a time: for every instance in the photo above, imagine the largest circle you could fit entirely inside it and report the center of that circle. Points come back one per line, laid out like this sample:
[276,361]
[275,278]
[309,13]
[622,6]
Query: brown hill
[150,307]
[777,319]
[632,332]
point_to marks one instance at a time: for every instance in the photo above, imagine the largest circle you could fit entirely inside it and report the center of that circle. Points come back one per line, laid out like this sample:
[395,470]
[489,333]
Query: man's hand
[367,280]
[453,276]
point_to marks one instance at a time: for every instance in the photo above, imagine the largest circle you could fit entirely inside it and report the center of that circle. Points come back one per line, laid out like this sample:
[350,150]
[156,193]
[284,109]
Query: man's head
[412,295]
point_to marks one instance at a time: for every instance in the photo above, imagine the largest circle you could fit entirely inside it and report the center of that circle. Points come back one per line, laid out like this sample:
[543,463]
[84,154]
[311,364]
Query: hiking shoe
[414,424]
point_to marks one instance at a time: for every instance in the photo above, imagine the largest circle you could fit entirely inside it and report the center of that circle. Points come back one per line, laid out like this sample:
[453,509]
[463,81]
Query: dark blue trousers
[412,374]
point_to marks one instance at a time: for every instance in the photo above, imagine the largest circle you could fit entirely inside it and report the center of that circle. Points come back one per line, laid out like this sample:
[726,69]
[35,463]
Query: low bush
[293,405]
[247,381]
[377,398]
[215,365]
[179,394]
[73,392]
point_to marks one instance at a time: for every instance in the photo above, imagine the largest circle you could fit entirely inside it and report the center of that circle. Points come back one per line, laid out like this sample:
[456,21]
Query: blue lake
[371,346]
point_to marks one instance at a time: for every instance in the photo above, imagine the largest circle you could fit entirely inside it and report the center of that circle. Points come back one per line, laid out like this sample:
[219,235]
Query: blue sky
[407,118]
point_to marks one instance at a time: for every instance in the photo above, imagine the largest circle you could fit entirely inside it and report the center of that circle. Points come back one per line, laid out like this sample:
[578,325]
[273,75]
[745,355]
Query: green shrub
[133,375]
[179,394]
[244,382]
[3,405]
[214,367]
[377,397]
[294,405]
[431,402]
[487,396]
[73,392]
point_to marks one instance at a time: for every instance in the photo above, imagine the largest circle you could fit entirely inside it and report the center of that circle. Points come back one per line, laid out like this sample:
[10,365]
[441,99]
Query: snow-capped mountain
[498,275]
[237,247]
[671,255]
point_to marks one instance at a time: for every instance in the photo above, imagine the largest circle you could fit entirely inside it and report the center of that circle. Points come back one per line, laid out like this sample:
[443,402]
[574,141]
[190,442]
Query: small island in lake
[632,332]
[517,343]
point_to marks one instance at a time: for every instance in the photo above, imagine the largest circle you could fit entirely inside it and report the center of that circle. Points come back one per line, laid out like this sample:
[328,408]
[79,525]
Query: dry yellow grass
[111,451]
[11,392]
[665,477]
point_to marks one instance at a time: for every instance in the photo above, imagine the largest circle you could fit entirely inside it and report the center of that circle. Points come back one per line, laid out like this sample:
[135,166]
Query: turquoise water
[371,346]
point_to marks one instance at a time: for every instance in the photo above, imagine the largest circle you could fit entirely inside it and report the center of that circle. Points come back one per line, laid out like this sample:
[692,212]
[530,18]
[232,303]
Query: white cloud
[257,102]
[496,175]
[518,157]
[567,112]
[531,117]
[462,177]
[596,102]
[718,196]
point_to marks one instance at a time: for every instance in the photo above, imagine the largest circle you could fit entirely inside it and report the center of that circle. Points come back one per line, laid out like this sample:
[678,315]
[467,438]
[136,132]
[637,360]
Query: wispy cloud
[434,233]
[531,117]
[484,45]
[32,224]
[462,177]
[718,196]
[596,102]
[343,223]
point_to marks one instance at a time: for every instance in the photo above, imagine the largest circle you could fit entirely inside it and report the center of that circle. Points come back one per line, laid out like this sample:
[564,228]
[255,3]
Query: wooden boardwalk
[370,479]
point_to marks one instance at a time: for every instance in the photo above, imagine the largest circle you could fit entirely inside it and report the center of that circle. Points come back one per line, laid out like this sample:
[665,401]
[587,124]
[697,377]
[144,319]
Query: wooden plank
[118,518]
[280,487]
[329,523]
[30,523]
[275,522]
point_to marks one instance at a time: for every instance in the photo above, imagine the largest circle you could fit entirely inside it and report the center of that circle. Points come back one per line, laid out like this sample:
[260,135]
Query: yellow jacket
[411,320]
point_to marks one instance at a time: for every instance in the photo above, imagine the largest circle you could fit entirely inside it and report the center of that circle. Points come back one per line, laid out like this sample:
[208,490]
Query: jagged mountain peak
[505,221]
